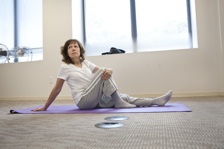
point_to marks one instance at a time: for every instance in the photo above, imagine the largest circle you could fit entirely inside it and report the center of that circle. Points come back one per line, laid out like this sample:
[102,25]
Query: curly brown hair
[64,51]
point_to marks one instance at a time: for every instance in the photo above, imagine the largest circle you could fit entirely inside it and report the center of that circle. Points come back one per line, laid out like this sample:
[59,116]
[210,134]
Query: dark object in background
[114,50]
[3,53]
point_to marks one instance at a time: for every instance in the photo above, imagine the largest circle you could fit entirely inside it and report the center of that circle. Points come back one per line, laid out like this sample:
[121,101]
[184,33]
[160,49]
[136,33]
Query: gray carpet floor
[201,129]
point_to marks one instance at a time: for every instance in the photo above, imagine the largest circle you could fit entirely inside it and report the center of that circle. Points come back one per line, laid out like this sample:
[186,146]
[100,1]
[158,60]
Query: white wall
[187,72]
[221,30]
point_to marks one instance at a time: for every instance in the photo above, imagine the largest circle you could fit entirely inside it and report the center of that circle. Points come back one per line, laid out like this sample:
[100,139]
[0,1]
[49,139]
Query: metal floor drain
[116,118]
[109,125]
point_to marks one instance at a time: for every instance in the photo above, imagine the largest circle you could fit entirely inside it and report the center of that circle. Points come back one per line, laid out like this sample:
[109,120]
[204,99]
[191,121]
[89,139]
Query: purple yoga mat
[71,109]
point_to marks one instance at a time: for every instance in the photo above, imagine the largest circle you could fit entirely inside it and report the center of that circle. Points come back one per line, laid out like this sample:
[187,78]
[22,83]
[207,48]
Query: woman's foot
[162,100]
[124,104]
[120,103]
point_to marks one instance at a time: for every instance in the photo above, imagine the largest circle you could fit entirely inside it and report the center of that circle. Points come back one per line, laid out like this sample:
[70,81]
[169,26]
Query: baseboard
[36,98]
[203,94]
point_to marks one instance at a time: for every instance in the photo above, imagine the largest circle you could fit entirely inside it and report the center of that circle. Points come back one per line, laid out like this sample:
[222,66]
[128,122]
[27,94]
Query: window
[6,23]
[136,25]
[21,29]
[107,24]
[162,24]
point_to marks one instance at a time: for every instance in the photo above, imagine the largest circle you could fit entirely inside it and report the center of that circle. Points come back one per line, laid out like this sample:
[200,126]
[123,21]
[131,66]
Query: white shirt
[77,78]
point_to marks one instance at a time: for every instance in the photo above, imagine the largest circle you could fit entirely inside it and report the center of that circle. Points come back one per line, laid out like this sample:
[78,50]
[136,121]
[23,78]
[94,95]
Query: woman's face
[74,51]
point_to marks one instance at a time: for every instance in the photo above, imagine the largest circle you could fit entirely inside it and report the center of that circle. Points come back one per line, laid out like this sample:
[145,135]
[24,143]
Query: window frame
[133,24]
[33,53]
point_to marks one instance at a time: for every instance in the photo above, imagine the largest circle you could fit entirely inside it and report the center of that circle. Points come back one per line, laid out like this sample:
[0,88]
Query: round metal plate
[116,118]
[109,125]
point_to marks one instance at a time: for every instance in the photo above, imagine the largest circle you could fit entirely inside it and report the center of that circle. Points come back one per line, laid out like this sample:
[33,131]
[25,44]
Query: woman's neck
[77,63]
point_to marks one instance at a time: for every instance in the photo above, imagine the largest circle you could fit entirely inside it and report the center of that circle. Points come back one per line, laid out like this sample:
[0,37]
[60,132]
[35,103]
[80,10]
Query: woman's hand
[106,74]
[54,93]
[39,109]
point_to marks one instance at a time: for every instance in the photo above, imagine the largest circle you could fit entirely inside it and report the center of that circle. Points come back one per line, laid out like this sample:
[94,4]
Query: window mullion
[133,21]
[84,22]
[189,22]
[15,23]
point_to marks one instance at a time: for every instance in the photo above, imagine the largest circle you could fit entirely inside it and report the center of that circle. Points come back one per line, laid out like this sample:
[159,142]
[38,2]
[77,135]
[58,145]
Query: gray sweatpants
[98,93]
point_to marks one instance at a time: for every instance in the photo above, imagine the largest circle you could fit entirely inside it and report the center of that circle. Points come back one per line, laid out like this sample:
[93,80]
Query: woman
[92,86]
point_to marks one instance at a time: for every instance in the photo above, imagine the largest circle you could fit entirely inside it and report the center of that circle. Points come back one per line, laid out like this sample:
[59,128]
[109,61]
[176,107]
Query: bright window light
[21,30]
[136,25]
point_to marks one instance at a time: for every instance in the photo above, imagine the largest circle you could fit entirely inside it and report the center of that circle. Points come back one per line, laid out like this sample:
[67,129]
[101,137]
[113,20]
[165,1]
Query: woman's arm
[106,74]
[96,69]
[54,93]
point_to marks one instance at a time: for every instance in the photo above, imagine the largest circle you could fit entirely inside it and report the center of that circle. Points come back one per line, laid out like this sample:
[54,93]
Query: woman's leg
[146,102]
[162,100]
[119,102]
[92,96]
